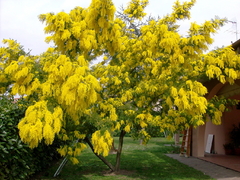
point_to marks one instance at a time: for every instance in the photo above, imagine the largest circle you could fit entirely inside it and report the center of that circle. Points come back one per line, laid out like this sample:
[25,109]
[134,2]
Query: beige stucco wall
[218,139]
[198,141]
[220,132]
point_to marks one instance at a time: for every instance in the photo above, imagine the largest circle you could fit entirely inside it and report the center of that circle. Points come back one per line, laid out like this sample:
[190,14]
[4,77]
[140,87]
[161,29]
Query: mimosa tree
[149,76]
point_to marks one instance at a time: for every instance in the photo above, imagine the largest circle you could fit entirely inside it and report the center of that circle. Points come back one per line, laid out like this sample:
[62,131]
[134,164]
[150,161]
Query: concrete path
[213,170]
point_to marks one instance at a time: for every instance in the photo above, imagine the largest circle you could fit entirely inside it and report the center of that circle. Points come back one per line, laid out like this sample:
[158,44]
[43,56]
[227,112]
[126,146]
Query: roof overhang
[236,44]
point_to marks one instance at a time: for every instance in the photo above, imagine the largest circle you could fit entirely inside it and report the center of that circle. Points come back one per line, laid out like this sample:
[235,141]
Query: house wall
[218,139]
[198,141]
[221,132]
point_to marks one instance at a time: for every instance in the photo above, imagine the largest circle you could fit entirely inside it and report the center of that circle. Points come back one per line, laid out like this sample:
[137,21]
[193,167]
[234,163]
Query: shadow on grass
[155,165]
[138,162]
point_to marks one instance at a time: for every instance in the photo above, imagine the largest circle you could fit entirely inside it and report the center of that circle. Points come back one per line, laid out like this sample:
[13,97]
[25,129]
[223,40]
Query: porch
[209,168]
[227,161]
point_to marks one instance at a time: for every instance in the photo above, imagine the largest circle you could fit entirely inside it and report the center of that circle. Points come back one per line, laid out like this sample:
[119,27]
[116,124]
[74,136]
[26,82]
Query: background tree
[150,75]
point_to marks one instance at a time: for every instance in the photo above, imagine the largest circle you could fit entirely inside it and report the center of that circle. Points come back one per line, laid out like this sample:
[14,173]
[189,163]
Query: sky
[19,18]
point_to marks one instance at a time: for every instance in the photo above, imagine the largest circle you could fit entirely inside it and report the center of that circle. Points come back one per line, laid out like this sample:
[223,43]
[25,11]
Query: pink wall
[218,139]
[221,132]
[198,141]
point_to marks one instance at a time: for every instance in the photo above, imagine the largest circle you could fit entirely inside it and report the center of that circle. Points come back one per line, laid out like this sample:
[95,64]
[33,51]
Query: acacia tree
[150,75]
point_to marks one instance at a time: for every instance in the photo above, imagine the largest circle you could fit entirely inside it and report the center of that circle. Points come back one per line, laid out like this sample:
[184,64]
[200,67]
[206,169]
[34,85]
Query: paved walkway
[213,170]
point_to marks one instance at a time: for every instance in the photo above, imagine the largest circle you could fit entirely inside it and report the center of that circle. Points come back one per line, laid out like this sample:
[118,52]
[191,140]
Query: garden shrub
[17,160]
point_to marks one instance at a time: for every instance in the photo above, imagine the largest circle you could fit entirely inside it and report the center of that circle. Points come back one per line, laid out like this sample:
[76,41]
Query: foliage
[13,153]
[235,135]
[17,160]
[217,105]
[150,76]
[228,146]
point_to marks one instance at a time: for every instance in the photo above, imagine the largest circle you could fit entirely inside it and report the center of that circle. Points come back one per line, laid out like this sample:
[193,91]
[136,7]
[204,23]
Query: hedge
[17,160]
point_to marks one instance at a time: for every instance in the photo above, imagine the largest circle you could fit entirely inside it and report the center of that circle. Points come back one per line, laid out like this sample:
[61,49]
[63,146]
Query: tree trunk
[100,156]
[120,145]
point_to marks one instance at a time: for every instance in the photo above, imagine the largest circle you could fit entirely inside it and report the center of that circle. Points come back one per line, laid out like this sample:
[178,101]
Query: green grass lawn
[138,162]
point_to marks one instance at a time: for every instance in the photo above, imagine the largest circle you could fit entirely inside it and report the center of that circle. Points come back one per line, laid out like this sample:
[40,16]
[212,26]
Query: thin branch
[104,160]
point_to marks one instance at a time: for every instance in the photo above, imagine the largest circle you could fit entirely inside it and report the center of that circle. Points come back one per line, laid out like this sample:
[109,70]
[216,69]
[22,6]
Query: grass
[146,162]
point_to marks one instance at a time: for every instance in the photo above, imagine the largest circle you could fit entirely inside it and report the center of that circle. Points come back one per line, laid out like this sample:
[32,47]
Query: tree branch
[104,160]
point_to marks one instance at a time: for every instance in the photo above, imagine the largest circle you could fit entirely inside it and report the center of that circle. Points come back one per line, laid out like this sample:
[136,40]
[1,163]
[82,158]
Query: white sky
[19,18]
